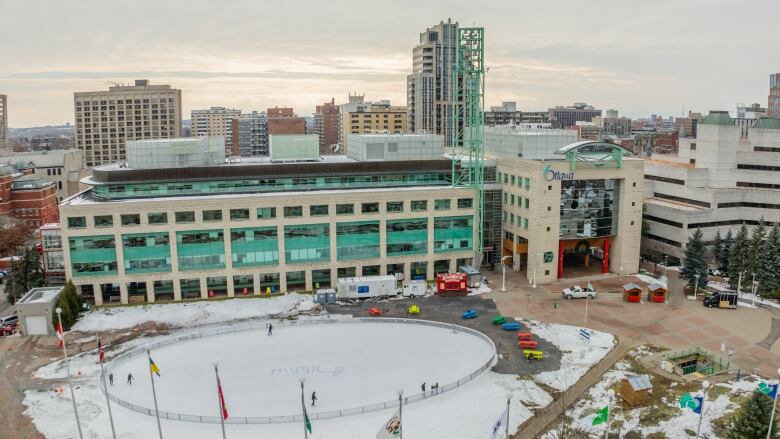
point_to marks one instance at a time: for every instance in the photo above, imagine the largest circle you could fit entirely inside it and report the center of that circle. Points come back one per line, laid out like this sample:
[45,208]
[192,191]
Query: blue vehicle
[470,314]
[511,326]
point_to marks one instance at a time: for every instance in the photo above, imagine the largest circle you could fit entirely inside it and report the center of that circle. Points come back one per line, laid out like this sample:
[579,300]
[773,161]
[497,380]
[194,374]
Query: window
[92,255]
[212,215]
[157,218]
[293,211]
[369,208]
[525,223]
[132,219]
[239,214]
[513,180]
[200,249]
[77,222]
[465,203]
[147,252]
[395,206]
[345,209]
[185,217]
[266,212]
[527,183]
[419,205]
[254,246]
[306,243]
[526,203]
[357,240]
[318,210]
[104,221]
[407,237]
[441,204]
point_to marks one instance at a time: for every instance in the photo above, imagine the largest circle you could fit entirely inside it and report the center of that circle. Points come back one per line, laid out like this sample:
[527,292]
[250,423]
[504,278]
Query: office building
[27,197]
[747,116]
[567,117]
[687,126]
[612,124]
[63,167]
[327,126]
[105,120]
[429,88]
[508,114]
[284,121]
[360,117]
[5,145]
[250,133]
[52,258]
[717,182]
[216,121]
[773,104]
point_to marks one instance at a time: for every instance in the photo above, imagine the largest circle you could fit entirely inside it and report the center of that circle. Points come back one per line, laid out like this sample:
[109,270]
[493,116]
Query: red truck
[452,284]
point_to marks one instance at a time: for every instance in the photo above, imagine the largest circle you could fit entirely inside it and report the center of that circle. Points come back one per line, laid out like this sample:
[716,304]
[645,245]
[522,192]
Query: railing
[315,415]
[711,363]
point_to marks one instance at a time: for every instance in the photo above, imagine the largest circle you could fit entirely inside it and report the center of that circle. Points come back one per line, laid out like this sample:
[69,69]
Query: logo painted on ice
[551,174]
[322,369]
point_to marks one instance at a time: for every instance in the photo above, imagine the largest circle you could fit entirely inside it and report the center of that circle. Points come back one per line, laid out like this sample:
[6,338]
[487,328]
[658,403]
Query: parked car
[8,329]
[721,300]
[577,292]
[8,320]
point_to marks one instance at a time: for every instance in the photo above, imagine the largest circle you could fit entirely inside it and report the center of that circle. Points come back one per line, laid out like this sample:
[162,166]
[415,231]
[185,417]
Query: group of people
[434,388]
[130,379]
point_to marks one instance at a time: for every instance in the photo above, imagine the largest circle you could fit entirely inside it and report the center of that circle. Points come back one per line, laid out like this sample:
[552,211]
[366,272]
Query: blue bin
[512,326]
[470,314]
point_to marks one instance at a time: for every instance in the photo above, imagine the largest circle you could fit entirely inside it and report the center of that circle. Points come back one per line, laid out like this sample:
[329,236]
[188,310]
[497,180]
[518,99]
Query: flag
[694,403]
[306,421]
[101,352]
[221,400]
[153,367]
[59,334]
[768,389]
[391,428]
[602,416]
[502,421]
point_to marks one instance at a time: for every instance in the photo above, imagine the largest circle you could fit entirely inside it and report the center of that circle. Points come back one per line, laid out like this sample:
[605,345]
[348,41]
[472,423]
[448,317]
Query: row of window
[511,180]
[665,179]
[514,220]
[155,218]
[510,200]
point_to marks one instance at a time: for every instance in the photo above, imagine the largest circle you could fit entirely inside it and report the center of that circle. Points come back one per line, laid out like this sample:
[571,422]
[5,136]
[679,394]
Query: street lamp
[503,274]
[535,262]
[772,416]
[704,385]
[610,394]
[696,286]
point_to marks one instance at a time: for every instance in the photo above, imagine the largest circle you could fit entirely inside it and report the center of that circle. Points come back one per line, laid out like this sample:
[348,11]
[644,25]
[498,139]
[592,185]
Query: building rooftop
[767,123]
[30,182]
[718,118]
[40,295]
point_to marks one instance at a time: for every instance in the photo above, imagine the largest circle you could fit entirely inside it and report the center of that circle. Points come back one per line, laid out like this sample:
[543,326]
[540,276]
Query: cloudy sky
[645,57]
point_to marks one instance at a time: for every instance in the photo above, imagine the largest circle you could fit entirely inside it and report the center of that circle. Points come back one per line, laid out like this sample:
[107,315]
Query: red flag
[222,400]
[101,352]
[59,334]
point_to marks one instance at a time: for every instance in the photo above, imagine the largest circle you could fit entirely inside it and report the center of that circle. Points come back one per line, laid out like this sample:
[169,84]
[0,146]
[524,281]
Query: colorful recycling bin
[511,326]
[414,309]
[470,314]
[498,320]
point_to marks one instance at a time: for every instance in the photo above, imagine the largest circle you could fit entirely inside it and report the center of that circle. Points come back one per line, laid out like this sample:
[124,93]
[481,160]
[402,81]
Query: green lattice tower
[468,122]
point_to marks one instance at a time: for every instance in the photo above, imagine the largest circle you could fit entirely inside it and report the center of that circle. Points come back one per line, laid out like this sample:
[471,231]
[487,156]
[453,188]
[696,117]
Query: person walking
[111,379]
[423,388]
[130,379]
[313,398]
[270,329]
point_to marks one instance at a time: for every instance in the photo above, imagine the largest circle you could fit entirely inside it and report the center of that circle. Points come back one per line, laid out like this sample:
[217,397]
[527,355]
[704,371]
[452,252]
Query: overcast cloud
[639,57]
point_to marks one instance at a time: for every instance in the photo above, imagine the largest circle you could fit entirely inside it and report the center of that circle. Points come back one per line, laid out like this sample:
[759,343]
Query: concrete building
[5,145]
[613,125]
[395,147]
[52,257]
[105,120]
[327,126]
[747,116]
[527,143]
[687,126]
[250,133]
[359,117]
[576,209]
[567,117]
[64,167]
[588,131]
[773,102]
[35,310]
[27,197]
[248,227]
[284,121]
[429,91]
[508,114]
[216,121]
[716,182]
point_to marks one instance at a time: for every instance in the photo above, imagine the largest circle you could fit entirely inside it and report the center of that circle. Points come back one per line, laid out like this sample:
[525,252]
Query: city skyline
[639,61]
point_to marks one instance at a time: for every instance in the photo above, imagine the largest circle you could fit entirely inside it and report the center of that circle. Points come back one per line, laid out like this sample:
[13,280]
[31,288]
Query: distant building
[370,118]
[773,106]
[216,121]
[567,117]
[508,114]
[250,133]
[281,112]
[284,121]
[612,125]
[63,167]
[687,126]
[588,131]
[4,143]
[747,116]
[532,144]
[27,197]
[327,126]
[105,120]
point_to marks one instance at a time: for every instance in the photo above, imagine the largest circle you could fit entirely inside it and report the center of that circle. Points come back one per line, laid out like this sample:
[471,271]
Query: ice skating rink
[347,364]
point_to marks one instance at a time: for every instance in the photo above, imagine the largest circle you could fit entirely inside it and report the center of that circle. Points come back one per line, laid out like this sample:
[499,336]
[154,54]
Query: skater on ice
[313,398]
[130,379]
[270,329]
[111,379]
[423,388]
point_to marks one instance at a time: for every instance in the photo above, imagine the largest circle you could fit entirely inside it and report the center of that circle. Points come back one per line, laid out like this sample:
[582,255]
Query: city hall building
[178,221]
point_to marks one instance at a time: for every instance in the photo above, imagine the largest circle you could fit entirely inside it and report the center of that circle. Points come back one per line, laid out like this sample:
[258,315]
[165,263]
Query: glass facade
[103,220]
[293,211]
[345,209]
[306,243]
[453,233]
[441,204]
[587,208]
[243,285]
[163,290]
[419,270]
[185,217]
[147,252]
[465,203]
[369,208]
[239,214]
[158,218]
[395,206]
[254,246]
[93,255]
[357,240]
[419,205]
[407,237]
[132,219]
[77,222]
[212,215]
[318,210]
[266,212]
[190,288]
[320,278]
[200,249]
[346,272]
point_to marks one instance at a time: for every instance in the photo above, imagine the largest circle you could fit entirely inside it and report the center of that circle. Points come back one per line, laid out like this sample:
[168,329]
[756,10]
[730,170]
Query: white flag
[501,422]
[391,428]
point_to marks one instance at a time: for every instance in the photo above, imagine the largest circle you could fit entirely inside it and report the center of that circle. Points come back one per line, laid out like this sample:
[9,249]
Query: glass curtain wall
[453,233]
[254,246]
[147,252]
[93,255]
[588,208]
[200,249]
[306,243]
[357,240]
[407,237]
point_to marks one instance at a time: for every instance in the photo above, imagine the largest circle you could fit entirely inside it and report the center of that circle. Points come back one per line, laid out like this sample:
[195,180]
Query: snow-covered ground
[381,367]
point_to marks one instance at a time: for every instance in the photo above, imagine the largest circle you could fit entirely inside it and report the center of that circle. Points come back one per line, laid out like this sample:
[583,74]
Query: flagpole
[303,406]
[219,401]
[105,390]
[507,417]
[67,369]
[154,394]
[774,404]
[401,414]
[704,386]
[611,393]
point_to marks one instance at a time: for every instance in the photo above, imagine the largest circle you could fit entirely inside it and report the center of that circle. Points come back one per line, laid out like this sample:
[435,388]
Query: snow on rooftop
[40,295]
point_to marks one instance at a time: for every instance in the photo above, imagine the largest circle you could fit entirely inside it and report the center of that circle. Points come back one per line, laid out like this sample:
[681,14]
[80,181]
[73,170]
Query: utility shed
[35,308]
[632,292]
[636,389]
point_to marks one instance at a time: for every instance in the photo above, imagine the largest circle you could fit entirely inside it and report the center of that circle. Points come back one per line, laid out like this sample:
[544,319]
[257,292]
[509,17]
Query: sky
[652,57]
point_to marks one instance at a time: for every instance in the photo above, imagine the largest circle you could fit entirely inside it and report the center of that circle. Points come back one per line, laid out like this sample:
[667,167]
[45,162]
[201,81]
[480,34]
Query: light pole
[772,416]
[67,369]
[753,285]
[666,262]
[611,394]
[536,256]
[696,286]
[503,274]
[704,385]
[739,284]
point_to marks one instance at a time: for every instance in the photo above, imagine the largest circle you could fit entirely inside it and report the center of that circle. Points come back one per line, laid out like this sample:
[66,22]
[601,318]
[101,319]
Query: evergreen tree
[69,303]
[739,256]
[725,252]
[695,260]
[26,273]
[717,248]
[752,419]
[756,245]
[768,268]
